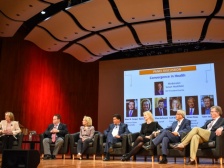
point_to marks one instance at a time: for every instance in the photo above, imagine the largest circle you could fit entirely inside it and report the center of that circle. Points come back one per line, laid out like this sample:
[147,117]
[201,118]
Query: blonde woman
[86,136]
[147,129]
[8,130]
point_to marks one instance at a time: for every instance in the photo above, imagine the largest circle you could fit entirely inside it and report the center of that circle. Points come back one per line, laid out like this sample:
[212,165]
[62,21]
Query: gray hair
[182,112]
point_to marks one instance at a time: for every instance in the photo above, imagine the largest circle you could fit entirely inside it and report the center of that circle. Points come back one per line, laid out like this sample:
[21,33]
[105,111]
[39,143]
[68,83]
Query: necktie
[161,112]
[53,136]
[130,113]
[191,111]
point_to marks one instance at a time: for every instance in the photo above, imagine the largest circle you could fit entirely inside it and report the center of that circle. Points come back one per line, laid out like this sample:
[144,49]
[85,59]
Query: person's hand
[148,137]
[54,130]
[175,133]
[117,136]
[218,132]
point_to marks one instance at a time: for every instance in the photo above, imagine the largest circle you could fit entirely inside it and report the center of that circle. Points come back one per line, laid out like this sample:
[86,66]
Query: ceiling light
[43,12]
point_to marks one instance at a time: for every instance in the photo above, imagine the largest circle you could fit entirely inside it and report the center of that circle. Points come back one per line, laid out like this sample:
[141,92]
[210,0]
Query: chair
[91,150]
[212,149]
[131,139]
[120,148]
[17,144]
[175,152]
[63,150]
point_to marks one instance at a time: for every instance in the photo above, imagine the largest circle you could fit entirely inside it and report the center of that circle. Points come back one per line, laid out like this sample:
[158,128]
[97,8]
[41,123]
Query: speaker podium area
[20,158]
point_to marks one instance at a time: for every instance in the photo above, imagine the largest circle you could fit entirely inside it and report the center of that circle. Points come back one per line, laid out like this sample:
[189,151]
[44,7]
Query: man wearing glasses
[199,135]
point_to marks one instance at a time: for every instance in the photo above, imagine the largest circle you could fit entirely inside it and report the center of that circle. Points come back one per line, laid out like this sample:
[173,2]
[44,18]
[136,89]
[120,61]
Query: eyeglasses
[213,111]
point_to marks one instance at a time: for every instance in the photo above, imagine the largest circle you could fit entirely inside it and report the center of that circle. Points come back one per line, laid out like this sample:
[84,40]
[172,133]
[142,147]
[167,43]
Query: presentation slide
[163,91]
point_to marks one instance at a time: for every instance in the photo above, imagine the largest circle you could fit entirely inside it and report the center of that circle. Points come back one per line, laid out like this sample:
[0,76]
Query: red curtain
[35,85]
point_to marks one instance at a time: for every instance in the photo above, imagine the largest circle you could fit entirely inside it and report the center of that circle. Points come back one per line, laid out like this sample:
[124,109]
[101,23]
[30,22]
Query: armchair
[175,152]
[17,144]
[212,149]
[63,150]
[91,150]
[131,139]
[120,148]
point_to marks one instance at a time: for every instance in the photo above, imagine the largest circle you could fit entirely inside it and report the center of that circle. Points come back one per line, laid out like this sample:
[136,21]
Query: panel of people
[150,130]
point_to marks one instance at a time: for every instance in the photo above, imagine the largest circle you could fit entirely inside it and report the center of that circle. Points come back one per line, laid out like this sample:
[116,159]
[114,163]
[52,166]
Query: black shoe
[190,162]
[53,157]
[126,154]
[47,157]
[163,161]
[125,158]
[106,159]
[110,150]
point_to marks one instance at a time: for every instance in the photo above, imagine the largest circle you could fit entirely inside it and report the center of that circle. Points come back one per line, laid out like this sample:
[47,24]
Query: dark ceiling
[113,29]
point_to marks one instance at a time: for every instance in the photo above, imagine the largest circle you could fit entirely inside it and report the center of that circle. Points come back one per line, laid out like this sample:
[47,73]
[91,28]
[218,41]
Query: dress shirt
[210,125]
[115,130]
[178,125]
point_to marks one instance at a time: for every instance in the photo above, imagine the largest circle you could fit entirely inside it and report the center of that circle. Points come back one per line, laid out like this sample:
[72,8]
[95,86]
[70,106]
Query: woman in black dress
[145,134]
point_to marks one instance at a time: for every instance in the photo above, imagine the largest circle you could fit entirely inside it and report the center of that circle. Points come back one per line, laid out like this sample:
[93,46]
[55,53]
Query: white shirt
[115,130]
[178,125]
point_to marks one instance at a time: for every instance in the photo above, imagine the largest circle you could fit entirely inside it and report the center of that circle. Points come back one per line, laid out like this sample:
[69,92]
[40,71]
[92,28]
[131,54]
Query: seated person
[145,135]
[9,130]
[86,136]
[55,133]
[114,134]
[206,133]
[172,134]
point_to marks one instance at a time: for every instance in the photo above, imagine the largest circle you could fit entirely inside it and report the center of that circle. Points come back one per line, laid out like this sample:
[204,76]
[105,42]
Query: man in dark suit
[197,135]
[172,134]
[131,111]
[55,133]
[160,110]
[191,108]
[114,134]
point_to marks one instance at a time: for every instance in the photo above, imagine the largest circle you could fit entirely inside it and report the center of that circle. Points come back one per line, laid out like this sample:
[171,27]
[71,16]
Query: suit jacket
[195,111]
[157,112]
[87,133]
[14,126]
[185,126]
[123,129]
[159,93]
[62,131]
[134,114]
[219,123]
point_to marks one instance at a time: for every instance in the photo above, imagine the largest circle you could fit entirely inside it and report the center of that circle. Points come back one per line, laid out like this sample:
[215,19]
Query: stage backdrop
[35,84]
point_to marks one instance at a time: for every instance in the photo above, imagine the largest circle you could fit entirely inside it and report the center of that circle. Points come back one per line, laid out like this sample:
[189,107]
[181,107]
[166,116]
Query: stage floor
[140,163]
